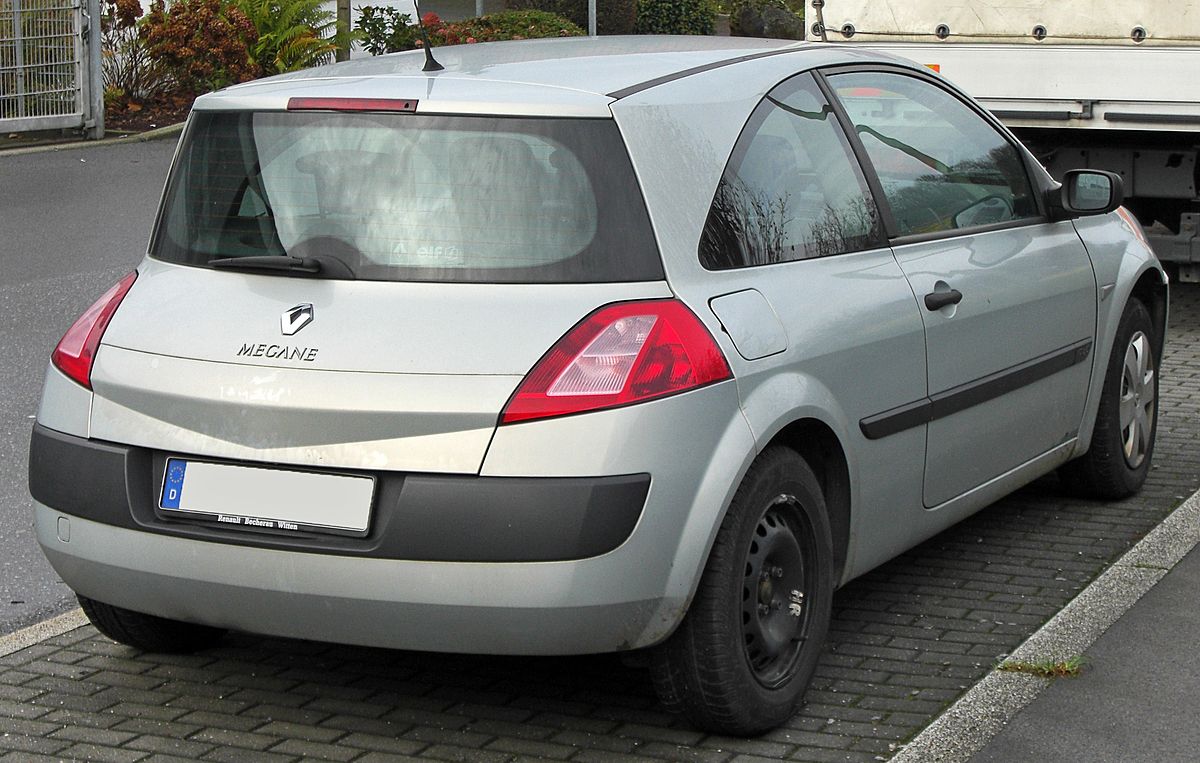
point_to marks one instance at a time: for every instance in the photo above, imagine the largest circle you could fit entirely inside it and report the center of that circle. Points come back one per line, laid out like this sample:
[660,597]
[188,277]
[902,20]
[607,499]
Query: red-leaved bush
[204,44]
[386,30]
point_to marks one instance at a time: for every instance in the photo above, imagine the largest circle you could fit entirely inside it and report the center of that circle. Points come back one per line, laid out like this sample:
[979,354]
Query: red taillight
[620,354]
[77,349]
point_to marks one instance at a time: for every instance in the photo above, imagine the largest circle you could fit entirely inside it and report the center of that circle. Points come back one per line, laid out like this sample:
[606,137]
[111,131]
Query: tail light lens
[620,354]
[76,351]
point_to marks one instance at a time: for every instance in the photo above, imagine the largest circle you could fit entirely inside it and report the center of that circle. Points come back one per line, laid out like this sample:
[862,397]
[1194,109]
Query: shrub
[675,17]
[202,44]
[386,30]
[292,34]
[383,29]
[128,71]
[505,25]
[765,18]
[612,16]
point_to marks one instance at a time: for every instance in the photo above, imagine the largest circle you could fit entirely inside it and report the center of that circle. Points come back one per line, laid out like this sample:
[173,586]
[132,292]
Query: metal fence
[48,58]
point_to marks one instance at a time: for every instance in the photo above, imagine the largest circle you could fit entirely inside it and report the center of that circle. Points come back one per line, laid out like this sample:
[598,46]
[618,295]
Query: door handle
[936,300]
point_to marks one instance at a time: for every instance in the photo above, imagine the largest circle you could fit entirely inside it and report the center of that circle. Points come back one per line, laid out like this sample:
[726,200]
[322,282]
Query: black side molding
[973,393]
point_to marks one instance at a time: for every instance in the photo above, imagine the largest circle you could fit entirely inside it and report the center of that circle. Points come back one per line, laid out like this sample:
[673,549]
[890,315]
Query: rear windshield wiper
[269,262]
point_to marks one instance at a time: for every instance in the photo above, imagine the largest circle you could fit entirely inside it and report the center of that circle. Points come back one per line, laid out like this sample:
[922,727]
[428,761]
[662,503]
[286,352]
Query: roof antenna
[430,64]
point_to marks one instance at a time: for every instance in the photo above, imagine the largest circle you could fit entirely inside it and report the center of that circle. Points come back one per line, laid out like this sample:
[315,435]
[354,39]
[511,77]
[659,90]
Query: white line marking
[46,629]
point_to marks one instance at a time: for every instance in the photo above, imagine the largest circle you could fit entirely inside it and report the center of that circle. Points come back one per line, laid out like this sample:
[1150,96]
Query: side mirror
[1086,192]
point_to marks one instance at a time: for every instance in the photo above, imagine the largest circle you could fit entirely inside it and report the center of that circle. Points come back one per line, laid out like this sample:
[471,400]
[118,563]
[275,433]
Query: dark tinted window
[943,167]
[792,189]
[411,197]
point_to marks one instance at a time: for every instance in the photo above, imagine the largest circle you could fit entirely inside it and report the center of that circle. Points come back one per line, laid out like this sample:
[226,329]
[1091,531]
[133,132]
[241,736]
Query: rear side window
[792,189]
[411,197]
[942,166]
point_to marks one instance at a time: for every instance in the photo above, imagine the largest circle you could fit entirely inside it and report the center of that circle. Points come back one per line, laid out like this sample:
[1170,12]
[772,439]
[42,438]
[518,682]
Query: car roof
[574,76]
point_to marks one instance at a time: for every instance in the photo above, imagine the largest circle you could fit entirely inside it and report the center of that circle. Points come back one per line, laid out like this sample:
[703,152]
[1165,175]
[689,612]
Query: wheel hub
[1137,400]
[774,618]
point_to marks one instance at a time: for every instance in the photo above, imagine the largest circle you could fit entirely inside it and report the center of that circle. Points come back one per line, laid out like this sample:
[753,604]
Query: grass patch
[1144,566]
[1068,668]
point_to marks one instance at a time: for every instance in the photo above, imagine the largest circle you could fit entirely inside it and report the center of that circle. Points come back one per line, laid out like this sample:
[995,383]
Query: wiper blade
[269,262]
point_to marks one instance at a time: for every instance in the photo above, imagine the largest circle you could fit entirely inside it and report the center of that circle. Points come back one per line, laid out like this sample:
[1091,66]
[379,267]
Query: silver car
[585,346]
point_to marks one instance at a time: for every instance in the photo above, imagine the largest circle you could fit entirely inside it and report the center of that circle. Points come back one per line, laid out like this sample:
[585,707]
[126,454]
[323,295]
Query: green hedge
[766,18]
[675,17]
[612,16]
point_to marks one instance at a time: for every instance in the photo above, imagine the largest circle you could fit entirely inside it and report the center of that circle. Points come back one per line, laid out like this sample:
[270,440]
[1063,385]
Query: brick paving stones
[907,639]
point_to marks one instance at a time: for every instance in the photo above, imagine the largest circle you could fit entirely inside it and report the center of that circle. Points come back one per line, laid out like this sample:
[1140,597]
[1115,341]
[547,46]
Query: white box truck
[1107,84]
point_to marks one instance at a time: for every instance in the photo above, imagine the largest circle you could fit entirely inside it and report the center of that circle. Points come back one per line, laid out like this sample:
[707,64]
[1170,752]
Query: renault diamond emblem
[295,319]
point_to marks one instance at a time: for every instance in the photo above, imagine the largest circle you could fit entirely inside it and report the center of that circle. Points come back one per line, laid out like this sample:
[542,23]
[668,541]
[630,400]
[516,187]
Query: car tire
[742,657]
[148,632]
[1118,459]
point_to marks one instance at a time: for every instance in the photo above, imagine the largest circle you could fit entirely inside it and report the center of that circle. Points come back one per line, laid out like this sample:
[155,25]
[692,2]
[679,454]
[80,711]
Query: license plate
[267,499]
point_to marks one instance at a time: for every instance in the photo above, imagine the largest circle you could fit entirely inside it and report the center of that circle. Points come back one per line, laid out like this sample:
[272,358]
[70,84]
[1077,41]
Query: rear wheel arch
[742,658]
[819,444]
[820,447]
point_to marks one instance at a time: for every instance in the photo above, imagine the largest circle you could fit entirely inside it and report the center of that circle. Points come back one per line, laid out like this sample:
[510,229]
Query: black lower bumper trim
[419,517]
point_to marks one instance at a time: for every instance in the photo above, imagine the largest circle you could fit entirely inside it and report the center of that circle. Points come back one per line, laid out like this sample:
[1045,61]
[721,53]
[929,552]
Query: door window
[792,189]
[942,166]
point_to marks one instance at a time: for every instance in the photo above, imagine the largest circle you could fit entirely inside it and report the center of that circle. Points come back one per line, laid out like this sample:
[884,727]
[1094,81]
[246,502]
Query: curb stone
[159,133]
[969,724]
[46,629]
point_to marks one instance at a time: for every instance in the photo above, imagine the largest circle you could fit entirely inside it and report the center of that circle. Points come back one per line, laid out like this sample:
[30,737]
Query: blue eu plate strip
[173,484]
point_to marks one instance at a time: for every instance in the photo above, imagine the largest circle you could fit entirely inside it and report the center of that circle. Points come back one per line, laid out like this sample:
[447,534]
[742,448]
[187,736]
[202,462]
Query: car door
[1008,299]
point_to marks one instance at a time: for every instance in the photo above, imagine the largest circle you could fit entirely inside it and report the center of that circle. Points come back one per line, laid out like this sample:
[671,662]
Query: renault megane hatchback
[585,346]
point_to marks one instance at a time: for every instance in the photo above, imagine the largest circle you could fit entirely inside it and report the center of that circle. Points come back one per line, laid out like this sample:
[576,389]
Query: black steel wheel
[746,650]
[1122,445]
[775,620]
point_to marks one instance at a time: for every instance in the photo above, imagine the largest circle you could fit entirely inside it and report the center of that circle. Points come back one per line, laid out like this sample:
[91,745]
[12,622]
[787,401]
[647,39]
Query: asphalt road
[71,223]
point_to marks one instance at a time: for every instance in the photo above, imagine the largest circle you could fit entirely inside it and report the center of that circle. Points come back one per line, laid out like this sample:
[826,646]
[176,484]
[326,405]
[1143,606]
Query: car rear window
[410,197]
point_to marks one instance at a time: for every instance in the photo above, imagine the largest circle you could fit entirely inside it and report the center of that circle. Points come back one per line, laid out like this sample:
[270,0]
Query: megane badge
[295,319]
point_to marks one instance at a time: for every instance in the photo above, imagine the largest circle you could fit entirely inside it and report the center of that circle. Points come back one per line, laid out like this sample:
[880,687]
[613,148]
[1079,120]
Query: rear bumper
[451,563]
[416,516]
[696,445]
[432,606]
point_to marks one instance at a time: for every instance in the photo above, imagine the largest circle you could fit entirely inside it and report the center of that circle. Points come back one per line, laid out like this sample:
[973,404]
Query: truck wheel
[1118,460]
[746,650]
[147,632]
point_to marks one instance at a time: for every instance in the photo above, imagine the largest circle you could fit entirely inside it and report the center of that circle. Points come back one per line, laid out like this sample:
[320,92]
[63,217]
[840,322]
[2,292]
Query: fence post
[19,49]
[94,68]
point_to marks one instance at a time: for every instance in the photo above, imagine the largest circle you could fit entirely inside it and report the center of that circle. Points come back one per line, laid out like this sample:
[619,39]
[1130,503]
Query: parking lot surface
[907,639]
